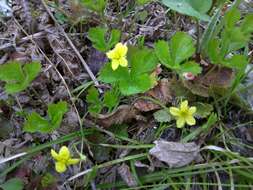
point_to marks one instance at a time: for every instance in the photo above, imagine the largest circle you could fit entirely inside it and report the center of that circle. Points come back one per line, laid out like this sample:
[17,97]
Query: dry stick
[92,76]
[22,40]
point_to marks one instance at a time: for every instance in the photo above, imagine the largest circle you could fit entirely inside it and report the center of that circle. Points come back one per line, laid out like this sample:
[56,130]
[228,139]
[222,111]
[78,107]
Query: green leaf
[162,116]
[13,184]
[95,104]
[182,47]
[162,51]
[238,62]
[247,24]
[209,32]
[135,85]
[114,38]
[95,5]
[187,7]
[191,67]
[16,77]
[213,50]
[141,61]
[98,37]
[36,123]
[108,75]
[111,99]
[232,17]
[200,5]
[203,109]
[56,112]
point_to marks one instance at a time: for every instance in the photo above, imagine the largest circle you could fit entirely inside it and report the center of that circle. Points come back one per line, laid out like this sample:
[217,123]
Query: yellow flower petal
[190,120]
[115,64]
[111,54]
[180,122]
[184,106]
[64,153]
[73,161]
[174,111]
[192,110]
[60,167]
[121,49]
[123,62]
[54,155]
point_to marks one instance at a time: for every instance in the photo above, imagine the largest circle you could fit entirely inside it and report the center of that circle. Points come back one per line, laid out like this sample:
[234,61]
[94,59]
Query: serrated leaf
[95,5]
[13,184]
[92,98]
[56,112]
[162,116]
[191,67]
[247,24]
[98,38]
[36,123]
[162,51]
[203,109]
[16,77]
[187,7]
[138,84]
[213,50]
[238,62]
[182,47]
[108,75]
[141,61]
[111,99]
[232,17]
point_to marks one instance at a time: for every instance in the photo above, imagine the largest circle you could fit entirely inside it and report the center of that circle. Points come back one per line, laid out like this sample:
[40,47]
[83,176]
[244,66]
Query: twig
[92,76]
[22,40]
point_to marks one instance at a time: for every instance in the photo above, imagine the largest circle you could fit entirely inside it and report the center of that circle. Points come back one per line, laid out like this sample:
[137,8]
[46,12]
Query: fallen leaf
[126,175]
[175,154]
[161,92]
[162,116]
[124,114]
[217,77]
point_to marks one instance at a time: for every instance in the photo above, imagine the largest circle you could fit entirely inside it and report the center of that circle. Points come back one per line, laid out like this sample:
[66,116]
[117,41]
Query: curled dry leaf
[161,92]
[124,114]
[218,77]
[126,175]
[175,154]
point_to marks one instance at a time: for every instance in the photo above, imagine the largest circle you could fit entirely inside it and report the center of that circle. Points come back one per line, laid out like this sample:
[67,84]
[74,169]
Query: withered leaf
[161,92]
[175,154]
[219,77]
[126,175]
[123,114]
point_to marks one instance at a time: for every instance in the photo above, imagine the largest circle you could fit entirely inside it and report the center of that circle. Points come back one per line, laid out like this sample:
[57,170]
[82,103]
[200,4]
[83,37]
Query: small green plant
[47,180]
[100,39]
[110,100]
[235,34]
[138,77]
[175,54]
[13,183]
[36,123]
[18,76]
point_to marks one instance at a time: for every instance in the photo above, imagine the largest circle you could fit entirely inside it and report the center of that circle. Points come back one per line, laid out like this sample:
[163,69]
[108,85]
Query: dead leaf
[175,154]
[218,77]
[161,92]
[124,114]
[126,175]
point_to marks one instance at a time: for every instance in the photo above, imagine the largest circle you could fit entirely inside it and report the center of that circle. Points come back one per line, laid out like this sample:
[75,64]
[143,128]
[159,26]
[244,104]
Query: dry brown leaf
[123,114]
[161,92]
[175,154]
[126,175]
[218,77]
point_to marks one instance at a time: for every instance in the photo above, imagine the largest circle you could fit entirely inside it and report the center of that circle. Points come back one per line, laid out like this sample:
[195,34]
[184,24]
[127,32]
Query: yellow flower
[184,114]
[118,56]
[63,159]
